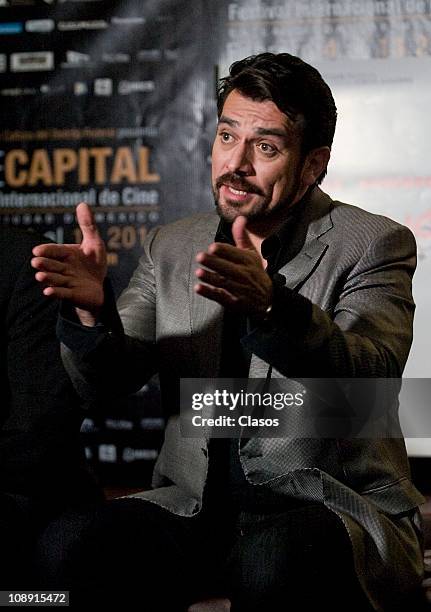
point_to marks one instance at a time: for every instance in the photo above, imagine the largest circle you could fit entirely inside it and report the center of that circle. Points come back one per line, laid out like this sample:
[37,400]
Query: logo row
[40,61]
[45,26]
[98,87]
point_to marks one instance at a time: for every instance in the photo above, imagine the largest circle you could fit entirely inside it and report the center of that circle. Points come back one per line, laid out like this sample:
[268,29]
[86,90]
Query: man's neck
[260,230]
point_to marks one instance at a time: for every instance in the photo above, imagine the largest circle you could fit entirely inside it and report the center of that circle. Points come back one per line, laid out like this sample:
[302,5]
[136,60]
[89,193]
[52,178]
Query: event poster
[113,102]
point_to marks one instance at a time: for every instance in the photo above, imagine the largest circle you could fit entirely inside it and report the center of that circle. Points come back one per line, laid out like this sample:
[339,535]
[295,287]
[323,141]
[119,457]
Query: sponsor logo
[52,89]
[7,3]
[18,91]
[73,26]
[116,58]
[36,61]
[149,55]
[128,21]
[39,25]
[15,27]
[139,454]
[88,425]
[123,424]
[3,62]
[80,88]
[156,423]
[76,59]
[155,55]
[128,87]
[107,453]
[103,87]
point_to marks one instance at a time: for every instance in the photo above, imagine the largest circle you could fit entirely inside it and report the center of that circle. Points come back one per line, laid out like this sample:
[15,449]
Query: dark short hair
[294,86]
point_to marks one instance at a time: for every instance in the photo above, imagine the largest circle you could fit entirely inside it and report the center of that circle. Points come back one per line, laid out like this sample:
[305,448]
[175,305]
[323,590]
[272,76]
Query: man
[294,285]
[41,463]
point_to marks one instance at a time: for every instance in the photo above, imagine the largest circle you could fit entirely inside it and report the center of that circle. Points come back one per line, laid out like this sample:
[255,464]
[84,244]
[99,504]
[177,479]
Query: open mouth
[235,195]
[237,191]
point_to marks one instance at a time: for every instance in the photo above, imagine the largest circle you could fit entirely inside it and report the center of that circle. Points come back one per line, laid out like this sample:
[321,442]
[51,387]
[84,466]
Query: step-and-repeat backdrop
[113,102]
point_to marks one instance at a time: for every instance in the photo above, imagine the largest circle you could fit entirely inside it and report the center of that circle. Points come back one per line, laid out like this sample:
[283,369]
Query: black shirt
[227,490]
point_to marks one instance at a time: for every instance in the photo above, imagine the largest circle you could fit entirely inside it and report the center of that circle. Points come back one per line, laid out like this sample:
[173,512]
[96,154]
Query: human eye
[267,149]
[225,136]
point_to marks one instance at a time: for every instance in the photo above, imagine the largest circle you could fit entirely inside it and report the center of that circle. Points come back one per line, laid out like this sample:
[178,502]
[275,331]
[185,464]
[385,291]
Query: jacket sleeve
[117,356]
[368,333]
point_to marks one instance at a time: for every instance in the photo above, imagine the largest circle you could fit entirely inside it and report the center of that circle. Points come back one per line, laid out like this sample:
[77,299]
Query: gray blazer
[355,268]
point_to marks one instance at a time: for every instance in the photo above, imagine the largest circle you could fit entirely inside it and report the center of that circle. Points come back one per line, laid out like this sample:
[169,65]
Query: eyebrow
[260,130]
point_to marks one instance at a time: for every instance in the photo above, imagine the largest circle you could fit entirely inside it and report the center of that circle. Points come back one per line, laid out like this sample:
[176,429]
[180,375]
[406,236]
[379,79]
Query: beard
[260,210]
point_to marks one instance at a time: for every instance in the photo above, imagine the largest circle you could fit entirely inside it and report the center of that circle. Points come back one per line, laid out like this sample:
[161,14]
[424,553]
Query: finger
[86,222]
[240,234]
[53,280]
[212,278]
[60,293]
[217,295]
[54,251]
[228,251]
[47,265]
[223,267]
[216,280]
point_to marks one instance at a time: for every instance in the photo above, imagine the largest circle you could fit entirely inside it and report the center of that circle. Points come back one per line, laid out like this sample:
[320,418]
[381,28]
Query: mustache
[230,179]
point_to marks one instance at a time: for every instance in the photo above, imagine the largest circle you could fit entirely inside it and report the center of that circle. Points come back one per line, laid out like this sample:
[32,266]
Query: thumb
[87,225]
[240,235]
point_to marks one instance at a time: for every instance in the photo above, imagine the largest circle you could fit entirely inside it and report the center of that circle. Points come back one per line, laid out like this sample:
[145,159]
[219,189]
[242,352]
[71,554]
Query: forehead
[254,114]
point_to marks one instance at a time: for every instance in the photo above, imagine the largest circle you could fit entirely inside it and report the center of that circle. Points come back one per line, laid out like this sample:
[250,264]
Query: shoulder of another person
[20,239]
[16,246]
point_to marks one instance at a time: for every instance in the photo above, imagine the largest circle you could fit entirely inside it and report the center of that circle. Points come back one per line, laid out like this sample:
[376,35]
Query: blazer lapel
[308,247]
[300,268]
[314,221]
[206,316]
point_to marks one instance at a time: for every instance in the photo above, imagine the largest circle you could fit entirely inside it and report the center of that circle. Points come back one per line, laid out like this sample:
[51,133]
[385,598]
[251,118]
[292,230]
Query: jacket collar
[308,243]
[307,248]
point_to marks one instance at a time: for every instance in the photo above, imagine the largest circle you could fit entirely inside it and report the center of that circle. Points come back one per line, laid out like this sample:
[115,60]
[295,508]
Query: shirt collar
[271,245]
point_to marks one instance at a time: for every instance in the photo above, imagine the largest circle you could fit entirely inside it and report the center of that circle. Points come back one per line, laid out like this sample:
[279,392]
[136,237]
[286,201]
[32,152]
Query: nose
[239,161]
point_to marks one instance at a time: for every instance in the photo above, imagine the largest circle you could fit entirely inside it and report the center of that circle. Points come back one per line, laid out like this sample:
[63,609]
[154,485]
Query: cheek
[274,180]
[279,188]
[216,163]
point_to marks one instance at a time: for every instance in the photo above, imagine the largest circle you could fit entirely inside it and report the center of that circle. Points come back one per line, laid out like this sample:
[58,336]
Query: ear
[315,163]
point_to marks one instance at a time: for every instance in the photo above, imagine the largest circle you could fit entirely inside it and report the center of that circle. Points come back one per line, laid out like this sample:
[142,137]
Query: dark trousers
[17,535]
[24,518]
[133,553]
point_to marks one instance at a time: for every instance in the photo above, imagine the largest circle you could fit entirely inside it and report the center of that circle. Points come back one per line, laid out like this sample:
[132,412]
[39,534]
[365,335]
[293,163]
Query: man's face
[257,167]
